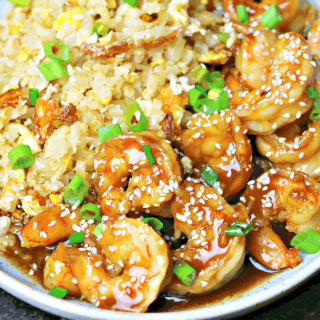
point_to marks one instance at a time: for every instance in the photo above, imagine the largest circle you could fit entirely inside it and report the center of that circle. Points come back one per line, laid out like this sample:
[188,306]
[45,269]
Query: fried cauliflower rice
[100,91]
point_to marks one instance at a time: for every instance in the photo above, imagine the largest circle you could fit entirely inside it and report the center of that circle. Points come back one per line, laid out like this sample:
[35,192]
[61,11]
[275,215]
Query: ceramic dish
[24,288]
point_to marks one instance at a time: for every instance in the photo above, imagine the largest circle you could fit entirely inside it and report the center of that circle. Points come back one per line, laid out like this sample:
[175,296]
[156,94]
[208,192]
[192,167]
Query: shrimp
[282,98]
[203,215]
[51,225]
[126,181]
[284,147]
[143,256]
[57,272]
[314,38]
[279,195]
[219,140]
[287,8]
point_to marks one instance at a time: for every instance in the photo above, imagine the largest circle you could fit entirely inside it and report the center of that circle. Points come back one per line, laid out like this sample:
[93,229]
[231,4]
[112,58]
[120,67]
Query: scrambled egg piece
[67,16]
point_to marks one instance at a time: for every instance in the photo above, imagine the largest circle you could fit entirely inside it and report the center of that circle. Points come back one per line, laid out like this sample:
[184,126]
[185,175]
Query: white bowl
[24,288]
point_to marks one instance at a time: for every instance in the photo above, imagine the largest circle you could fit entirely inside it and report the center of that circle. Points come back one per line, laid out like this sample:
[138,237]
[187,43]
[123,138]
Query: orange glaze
[220,141]
[203,215]
[150,186]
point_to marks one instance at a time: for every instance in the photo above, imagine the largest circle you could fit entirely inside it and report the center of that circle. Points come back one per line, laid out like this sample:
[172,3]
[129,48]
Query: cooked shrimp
[314,38]
[255,9]
[282,99]
[285,147]
[57,272]
[203,215]
[120,158]
[279,195]
[144,259]
[269,249]
[219,140]
[51,225]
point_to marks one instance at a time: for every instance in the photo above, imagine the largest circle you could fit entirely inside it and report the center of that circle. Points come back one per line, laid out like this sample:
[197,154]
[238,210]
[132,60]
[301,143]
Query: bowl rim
[237,306]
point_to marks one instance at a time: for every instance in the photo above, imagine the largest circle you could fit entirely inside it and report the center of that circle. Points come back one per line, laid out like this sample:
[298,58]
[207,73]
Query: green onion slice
[135,110]
[223,36]
[312,92]
[107,132]
[214,80]
[242,14]
[199,73]
[208,106]
[132,3]
[157,224]
[271,17]
[83,213]
[101,29]
[209,175]
[315,114]
[76,237]
[75,191]
[20,2]
[149,155]
[239,228]
[34,95]
[52,70]
[195,94]
[307,32]
[185,273]
[98,229]
[58,292]
[21,157]
[221,97]
[307,240]
[64,50]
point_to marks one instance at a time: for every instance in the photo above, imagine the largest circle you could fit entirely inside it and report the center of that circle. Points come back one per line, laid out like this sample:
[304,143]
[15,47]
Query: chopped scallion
[185,273]
[223,36]
[89,207]
[315,113]
[64,50]
[199,73]
[149,155]
[75,191]
[134,111]
[158,225]
[242,14]
[34,95]
[58,292]
[52,70]
[20,2]
[239,228]
[271,17]
[307,240]
[21,157]
[107,132]
[132,3]
[209,175]
[214,80]
[76,237]
[98,229]
[312,92]
[101,29]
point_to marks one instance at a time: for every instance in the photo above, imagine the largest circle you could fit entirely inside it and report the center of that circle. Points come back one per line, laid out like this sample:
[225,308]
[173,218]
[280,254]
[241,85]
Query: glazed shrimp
[219,141]
[314,38]
[49,226]
[279,195]
[150,186]
[203,215]
[287,8]
[282,99]
[144,259]
[285,147]
[57,272]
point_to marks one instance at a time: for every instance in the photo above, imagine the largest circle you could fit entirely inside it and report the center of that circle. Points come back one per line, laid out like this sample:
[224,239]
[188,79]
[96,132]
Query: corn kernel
[56,199]
[67,16]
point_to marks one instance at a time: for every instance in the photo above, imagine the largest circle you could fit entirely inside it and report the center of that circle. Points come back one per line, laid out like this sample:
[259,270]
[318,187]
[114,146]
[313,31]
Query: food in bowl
[148,146]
